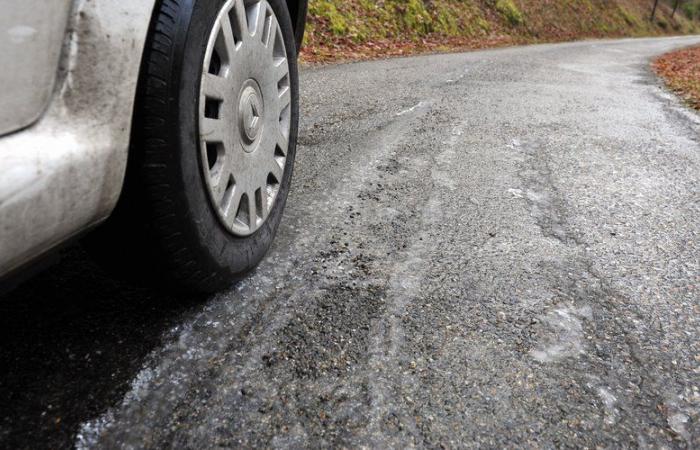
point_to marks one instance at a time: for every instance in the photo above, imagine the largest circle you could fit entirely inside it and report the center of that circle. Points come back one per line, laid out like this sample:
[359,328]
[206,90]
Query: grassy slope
[681,70]
[352,29]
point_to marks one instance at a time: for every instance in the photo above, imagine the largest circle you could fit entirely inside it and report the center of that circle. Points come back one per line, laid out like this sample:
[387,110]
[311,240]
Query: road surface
[489,249]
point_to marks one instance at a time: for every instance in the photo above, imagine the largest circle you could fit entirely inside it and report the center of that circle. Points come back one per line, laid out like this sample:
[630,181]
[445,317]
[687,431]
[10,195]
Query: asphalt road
[490,249]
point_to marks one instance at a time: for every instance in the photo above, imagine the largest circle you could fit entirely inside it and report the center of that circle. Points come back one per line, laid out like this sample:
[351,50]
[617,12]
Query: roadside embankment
[363,29]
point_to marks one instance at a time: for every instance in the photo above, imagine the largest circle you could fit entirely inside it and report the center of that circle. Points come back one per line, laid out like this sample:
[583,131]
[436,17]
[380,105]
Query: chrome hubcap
[244,114]
[250,113]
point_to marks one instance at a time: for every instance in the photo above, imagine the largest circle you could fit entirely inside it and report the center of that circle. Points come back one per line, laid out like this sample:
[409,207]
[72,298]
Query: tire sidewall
[217,246]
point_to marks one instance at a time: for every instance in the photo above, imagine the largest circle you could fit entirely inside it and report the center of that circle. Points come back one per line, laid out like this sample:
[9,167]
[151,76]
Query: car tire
[170,224]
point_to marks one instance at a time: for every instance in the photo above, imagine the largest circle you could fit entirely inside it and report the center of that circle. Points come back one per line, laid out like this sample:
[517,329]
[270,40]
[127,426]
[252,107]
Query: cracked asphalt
[493,249]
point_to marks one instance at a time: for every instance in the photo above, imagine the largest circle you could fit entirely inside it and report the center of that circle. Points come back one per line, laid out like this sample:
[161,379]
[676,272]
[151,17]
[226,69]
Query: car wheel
[213,144]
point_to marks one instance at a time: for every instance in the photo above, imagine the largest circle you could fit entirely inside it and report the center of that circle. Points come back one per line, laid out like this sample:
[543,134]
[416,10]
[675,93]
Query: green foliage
[630,19]
[415,17]
[691,9]
[483,24]
[511,12]
[326,9]
[446,20]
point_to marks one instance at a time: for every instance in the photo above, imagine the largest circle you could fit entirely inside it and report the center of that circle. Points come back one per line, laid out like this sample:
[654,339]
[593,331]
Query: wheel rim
[244,114]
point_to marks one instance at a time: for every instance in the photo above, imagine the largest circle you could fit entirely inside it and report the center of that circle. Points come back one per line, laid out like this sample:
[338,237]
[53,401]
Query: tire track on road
[218,341]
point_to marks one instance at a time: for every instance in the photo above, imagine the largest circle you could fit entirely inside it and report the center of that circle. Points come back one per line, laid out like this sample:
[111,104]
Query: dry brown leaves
[350,51]
[681,70]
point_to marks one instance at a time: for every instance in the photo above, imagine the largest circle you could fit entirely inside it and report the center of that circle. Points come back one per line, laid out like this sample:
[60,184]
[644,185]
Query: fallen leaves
[681,70]
[351,51]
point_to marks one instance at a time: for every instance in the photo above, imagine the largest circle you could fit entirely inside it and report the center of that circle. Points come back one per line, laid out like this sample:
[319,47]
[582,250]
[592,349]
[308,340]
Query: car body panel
[65,172]
[32,35]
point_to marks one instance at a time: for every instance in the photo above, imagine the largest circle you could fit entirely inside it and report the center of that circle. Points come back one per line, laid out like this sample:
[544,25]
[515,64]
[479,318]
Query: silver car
[166,127]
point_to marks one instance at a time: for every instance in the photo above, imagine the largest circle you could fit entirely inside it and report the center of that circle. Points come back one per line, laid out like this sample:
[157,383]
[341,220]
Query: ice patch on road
[455,135]
[677,422]
[411,109]
[517,193]
[679,411]
[565,334]
[89,434]
[609,402]
[453,80]
[514,144]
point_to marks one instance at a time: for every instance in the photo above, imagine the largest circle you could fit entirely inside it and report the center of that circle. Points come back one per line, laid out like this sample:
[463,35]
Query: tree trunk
[653,11]
[675,8]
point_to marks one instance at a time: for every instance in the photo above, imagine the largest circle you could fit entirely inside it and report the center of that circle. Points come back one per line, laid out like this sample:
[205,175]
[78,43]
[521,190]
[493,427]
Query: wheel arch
[63,174]
[297,11]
